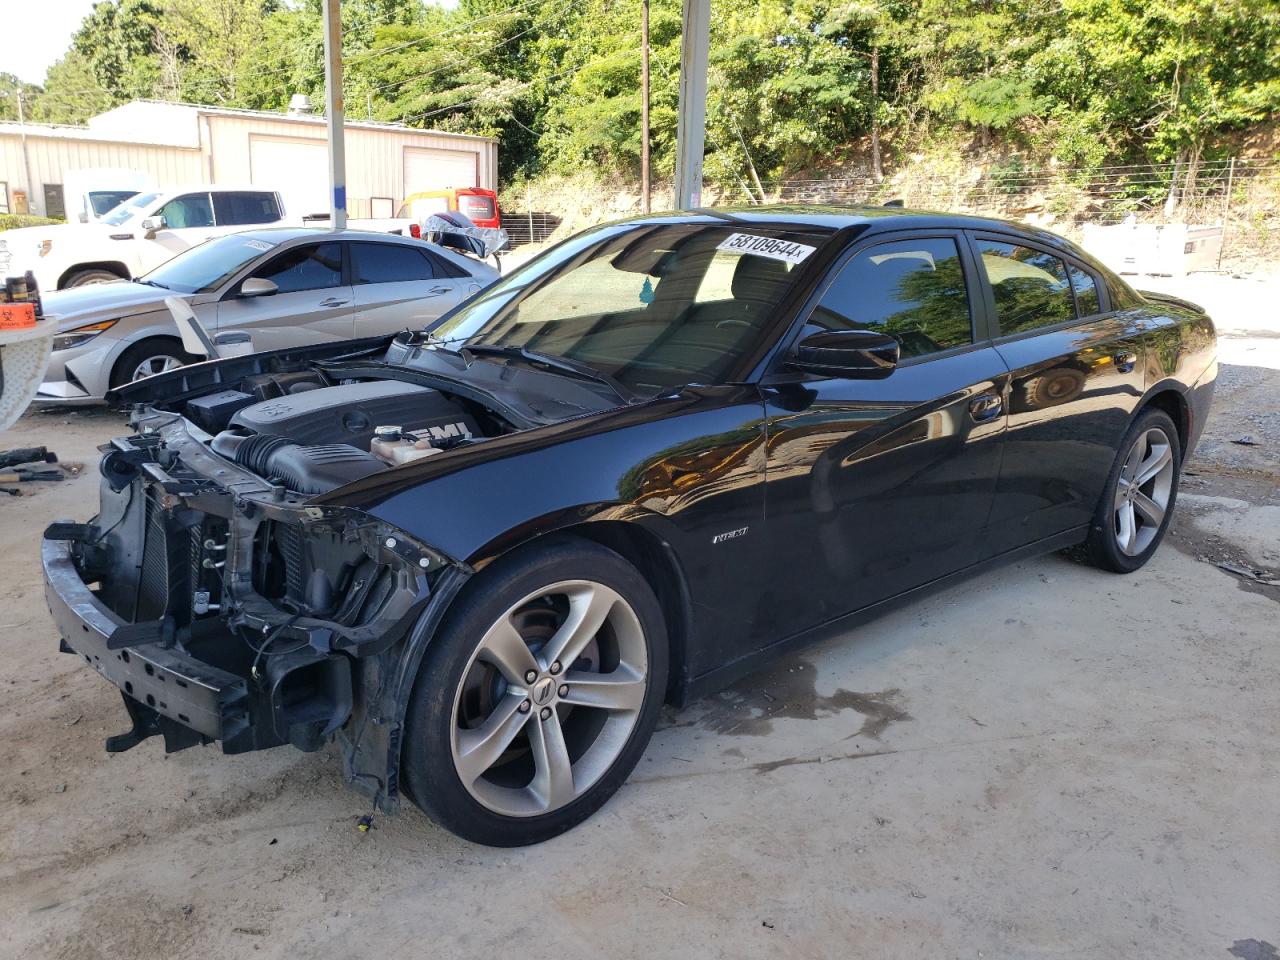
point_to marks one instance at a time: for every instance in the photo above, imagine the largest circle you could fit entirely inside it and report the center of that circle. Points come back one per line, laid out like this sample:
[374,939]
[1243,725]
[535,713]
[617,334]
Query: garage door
[298,169]
[428,169]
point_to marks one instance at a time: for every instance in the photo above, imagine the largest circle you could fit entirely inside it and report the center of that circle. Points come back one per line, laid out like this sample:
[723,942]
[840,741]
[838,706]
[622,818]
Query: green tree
[11,90]
[71,92]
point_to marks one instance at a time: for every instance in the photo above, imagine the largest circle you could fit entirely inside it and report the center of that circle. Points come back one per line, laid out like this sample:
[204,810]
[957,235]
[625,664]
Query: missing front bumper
[167,684]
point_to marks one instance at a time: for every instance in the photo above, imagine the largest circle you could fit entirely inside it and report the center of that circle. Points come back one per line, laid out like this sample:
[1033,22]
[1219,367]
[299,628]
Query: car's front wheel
[539,695]
[149,357]
[1137,504]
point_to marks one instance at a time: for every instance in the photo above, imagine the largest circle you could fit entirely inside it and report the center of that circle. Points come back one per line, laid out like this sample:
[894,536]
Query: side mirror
[151,226]
[84,217]
[233,343]
[864,354]
[258,287]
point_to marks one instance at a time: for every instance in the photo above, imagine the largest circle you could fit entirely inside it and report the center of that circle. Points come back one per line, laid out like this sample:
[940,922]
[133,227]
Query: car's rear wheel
[83,278]
[149,357]
[1137,504]
[538,697]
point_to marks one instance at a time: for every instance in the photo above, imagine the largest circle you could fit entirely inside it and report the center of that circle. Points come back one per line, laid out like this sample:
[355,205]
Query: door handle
[332,302]
[1125,361]
[437,290]
[985,407]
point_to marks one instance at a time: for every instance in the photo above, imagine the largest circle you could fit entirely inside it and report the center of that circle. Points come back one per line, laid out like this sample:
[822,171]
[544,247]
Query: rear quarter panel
[1181,354]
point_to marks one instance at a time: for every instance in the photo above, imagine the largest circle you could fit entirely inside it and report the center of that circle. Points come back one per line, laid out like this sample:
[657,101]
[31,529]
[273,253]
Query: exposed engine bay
[311,437]
[236,609]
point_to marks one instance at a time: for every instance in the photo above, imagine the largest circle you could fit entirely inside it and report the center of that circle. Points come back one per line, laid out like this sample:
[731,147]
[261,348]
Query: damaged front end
[227,607]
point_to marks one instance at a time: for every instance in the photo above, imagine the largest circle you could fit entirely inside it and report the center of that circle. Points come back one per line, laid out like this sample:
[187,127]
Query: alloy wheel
[1143,491]
[161,363]
[549,698]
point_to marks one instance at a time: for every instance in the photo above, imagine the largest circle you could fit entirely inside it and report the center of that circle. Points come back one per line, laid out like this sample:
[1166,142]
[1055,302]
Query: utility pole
[334,114]
[691,127]
[26,159]
[644,105]
[877,171]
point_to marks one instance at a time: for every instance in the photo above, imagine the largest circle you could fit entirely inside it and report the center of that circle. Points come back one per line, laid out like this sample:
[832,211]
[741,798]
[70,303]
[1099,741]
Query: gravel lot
[1047,761]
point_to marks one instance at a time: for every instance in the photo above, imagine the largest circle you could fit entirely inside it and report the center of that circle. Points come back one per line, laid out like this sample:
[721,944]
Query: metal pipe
[691,126]
[334,114]
[644,106]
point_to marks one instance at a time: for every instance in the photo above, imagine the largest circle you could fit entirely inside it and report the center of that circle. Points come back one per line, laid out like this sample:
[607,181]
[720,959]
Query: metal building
[184,144]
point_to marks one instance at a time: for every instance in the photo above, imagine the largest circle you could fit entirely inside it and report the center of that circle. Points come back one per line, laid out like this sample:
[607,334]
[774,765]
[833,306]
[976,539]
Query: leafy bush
[12,221]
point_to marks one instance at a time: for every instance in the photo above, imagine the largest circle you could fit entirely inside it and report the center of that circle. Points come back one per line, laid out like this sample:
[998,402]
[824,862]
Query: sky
[45,38]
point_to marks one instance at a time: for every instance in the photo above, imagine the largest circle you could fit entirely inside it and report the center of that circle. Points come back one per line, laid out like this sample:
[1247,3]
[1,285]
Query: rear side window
[246,208]
[477,208]
[316,267]
[1086,289]
[389,263]
[193,210]
[913,290]
[1030,286]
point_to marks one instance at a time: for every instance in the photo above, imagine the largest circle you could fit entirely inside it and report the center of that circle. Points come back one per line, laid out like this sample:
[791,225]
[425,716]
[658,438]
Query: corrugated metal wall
[375,157]
[50,157]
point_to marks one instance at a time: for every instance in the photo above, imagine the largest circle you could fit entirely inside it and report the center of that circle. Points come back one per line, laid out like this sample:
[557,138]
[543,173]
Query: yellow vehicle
[476,203]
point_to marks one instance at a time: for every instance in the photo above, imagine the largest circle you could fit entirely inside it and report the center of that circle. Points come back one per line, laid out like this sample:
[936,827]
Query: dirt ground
[1047,761]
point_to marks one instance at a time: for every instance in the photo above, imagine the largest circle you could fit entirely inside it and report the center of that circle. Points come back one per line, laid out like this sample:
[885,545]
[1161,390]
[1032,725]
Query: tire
[160,353]
[479,753]
[1123,547]
[82,278]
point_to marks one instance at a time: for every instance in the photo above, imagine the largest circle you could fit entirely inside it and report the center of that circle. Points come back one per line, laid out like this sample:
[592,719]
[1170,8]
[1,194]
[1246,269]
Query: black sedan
[482,555]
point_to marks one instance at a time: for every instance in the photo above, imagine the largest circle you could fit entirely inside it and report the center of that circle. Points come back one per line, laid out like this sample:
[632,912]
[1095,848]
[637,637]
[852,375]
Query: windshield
[130,208]
[654,306]
[103,201]
[208,266]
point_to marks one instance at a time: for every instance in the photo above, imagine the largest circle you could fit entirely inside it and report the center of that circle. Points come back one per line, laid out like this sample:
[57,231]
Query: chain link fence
[1243,196]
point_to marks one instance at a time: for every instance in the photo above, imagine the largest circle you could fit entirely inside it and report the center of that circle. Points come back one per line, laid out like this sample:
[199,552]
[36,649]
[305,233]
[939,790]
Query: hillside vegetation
[796,86]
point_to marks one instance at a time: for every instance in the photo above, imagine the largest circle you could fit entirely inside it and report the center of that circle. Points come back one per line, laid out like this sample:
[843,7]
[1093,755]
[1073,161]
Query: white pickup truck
[135,237]
[90,194]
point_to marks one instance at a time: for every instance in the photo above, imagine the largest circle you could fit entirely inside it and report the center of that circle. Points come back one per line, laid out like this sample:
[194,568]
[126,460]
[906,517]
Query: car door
[878,486]
[1077,378]
[312,303]
[399,286]
[188,220]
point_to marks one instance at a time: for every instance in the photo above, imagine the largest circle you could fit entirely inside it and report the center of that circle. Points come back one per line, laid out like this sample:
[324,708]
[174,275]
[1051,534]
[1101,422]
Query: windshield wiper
[563,364]
[152,283]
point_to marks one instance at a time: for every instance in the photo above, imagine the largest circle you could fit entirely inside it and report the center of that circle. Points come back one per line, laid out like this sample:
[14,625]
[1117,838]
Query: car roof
[281,237]
[838,217]
[286,234]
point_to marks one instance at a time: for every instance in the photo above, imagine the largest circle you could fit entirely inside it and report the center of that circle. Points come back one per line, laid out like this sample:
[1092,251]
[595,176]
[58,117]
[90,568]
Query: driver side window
[193,210]
[913,290]
[305,268]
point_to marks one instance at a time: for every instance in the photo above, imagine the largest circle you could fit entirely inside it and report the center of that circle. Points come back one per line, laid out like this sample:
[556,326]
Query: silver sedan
[285,287]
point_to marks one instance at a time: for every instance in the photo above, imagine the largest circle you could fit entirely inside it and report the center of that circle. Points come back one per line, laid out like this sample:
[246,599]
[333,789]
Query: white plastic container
[395,446]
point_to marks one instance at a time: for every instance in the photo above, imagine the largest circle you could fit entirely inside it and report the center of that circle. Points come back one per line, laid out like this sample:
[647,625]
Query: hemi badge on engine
[728,535]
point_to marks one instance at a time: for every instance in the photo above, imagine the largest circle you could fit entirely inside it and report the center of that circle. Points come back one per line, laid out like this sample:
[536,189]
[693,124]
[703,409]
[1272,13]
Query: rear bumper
[211,702]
